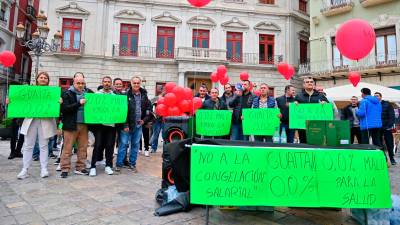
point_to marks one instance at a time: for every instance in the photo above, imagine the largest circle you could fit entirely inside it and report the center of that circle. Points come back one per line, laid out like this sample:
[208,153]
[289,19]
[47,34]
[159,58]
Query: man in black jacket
[139,108]
[308,95]
[227,96]
[388,119]
[74,128]
[349,113]
[243,99]
[283,105]
[214,102]
[203,93]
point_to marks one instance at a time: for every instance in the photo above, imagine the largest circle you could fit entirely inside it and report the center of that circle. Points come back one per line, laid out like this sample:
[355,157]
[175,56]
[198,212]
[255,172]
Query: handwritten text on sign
[34,101]
[300,113]
[105,108]
[213,122]
[261,176]
[260,121]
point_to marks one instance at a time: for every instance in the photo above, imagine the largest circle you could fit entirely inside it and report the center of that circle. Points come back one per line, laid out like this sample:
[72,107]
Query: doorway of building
[195,83]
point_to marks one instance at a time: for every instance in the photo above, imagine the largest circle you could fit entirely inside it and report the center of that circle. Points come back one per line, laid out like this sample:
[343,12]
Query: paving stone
[8,220]
[29,218]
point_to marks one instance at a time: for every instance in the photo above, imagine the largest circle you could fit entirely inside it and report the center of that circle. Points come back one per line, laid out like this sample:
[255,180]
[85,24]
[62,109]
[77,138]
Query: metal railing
[145,52]
[201,53]
[333,4]
[372,61]
[255,59]
[72,47]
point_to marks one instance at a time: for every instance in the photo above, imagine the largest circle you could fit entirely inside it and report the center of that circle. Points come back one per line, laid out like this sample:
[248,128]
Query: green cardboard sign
[33,101]
[300,113]
[260,121]
[105,108]
[291,177]
[213,122]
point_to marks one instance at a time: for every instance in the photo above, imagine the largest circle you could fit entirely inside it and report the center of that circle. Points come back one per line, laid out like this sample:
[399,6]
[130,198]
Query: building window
[303,51]
[234,46]
[385,47]
[159,88]
[165,42]
[338,60]
[3,11]
[303,6]
[71,35]
[201,38]
[129,39]
[270,2]
[65,83]
[266,49]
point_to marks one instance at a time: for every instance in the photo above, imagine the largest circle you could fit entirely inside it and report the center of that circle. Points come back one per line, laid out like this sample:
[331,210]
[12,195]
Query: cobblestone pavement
[126,198]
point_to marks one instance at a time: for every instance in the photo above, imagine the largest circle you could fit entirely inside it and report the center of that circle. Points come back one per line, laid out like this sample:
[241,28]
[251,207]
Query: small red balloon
[197,103]
[7,58]
[354,78]
[290,72]
[170,99]
[257,92]
[244,76]
[174,111]
[169,86]
[283,68]
[185,105]
[221,71]
[214,77]
[224,80]
[160,100]
[355,39]
[199,3]
[161,110]
[178,91]
[187,93]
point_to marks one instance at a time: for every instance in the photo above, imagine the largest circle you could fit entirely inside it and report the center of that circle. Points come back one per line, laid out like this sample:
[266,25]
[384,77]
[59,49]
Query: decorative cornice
[72,9]
[236,24]
[129,15]
[385,20]
[166,18]
[203,21]
[267,26]
[304,34]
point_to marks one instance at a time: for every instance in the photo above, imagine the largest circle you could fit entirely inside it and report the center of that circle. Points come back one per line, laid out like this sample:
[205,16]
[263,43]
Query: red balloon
[251,86]
[355,39]
[7,58]
[161,110]
[178,91]
[283,68]
[160,100]
[199,3]
[257,92]
[169,86]
[170,99]
[289,73]
[174,111]
[224,80]
[197,103]
[221,71]
[244,76]
[187,93]
[214,77]
[354,78]
[185,105]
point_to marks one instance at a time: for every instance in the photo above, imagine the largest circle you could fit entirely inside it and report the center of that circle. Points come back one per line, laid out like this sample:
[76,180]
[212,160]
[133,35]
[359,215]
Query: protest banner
[300,113]
[260,121]
[213,123]
[105,108]
[291,177]
[29,101]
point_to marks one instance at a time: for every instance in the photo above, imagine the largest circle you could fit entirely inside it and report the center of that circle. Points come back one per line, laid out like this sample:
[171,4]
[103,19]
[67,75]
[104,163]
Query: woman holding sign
[43,130]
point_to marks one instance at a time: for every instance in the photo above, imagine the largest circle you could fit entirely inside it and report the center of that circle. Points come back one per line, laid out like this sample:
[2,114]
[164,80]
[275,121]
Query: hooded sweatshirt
[370,113]
[79,96]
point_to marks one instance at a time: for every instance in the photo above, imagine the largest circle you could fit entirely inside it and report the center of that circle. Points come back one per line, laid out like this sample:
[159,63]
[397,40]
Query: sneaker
[108,170]
[52,156]
[57,161]
[64,174]
[101,163]
[133,168]
[44,173]
[81,172]
[23,174]
[12,156]
[146,153]
[58,167]
[92,172]
[393,162]
[117,169]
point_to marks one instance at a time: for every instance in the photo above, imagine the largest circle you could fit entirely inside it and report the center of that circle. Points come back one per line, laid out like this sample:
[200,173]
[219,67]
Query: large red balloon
[221,71]
[214,77]
[161,110]
[354,78]
[170,99]
[187,93]
[244,76]
[286,70]
[199,3]
[174,111]
[257,92]
[169,86]
[178,91]
[197,103]
[224,80]
[7,58]
[290,72]
[355,39]
[185,105]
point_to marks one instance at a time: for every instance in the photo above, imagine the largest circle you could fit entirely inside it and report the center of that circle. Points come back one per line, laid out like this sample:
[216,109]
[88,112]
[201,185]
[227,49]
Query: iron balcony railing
[72,47]
[144,52]
[255,59]
[334,4]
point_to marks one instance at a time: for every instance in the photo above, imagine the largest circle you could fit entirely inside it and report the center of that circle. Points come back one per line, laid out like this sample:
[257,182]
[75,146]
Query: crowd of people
[371,118]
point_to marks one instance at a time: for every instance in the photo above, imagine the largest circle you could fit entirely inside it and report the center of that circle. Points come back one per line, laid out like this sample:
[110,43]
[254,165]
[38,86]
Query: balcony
[370,64]
[30,12]
[255,59]
[142,52]
[368,3]
[201,54]
[336,7]
[71,48]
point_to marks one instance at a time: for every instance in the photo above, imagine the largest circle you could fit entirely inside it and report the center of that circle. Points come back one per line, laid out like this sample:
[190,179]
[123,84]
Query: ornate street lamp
[38,44]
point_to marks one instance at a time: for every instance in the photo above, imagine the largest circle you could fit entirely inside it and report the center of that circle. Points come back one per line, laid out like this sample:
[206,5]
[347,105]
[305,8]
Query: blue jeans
[157,127]
[237,133]
[124,139]
[289,133]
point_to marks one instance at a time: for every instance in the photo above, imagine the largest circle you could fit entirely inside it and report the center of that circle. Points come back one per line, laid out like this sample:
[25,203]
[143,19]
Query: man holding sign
[214,102]
[308,95]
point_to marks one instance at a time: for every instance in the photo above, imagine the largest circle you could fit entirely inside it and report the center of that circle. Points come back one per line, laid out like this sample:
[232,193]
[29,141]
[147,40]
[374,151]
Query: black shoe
[18,155]
[64,174]
[11,156]
[57,161]
[52,156]
[126,163]
[81,172]
[393,162]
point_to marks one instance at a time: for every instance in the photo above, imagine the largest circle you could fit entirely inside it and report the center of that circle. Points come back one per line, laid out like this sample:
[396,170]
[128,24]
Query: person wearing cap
[243,99]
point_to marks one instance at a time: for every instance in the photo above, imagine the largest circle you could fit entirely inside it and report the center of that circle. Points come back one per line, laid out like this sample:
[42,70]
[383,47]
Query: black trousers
[17,141]
[389,142]
[146,138]
[104,140]
[355,132]
[302,136]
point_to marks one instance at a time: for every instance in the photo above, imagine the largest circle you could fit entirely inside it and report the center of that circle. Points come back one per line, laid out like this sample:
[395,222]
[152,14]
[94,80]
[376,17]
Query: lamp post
[38,44]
